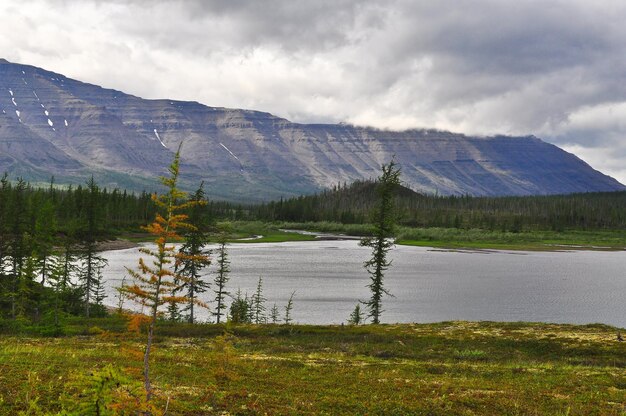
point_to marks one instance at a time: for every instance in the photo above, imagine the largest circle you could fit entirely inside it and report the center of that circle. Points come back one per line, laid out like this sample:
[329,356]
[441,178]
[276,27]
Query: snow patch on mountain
[156,133]
[231,153]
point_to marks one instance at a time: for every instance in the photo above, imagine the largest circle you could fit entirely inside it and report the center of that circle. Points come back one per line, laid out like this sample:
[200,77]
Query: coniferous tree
[18,244]
[153,284]
[26,288]
[274,314]
[381,242]
[121,295]
[173,311]
[45,236]
[258,303]
[221,278]
[5,192]
[59,285]
[68,273]
[193,255]
[240,309]
[289,308]
[99,294]
[356,317]
[91,263]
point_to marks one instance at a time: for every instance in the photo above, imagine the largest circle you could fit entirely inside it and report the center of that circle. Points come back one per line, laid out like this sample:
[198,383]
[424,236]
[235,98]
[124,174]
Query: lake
[430,285]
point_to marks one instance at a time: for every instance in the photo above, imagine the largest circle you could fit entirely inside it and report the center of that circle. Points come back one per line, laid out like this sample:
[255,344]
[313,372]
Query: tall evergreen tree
[274,314]
[26,293]
[91,263]
[221,278]
[5,192]
[381,242]
[289,308]
[258,303]
[59,285]
[19,250]
[193,255]
[45,236]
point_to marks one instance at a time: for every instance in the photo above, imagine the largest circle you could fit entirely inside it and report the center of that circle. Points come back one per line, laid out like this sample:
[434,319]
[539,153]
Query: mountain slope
[50,124]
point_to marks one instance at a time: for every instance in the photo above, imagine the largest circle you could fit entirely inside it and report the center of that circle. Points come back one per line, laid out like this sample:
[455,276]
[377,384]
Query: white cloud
[595,156]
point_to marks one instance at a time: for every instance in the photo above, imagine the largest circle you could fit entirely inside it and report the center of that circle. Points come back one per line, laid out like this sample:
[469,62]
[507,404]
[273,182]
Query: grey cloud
[549,68]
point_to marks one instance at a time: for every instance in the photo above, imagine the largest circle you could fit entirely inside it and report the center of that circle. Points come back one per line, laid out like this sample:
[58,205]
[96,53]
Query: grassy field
[238,232]
[453,238]
[484,239]
[450,368]
[533,241]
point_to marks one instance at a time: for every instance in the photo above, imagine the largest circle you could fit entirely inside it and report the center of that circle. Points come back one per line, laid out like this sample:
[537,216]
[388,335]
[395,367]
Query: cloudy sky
[555,69]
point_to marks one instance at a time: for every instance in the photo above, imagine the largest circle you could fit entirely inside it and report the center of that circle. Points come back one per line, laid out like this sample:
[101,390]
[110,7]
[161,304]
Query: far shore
[293,236]
[118,244]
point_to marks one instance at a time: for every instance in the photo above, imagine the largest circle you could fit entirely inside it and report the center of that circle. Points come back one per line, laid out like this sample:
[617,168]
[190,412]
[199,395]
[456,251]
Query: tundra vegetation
[437,369]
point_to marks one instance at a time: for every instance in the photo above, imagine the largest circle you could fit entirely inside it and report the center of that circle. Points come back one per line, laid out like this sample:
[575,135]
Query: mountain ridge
[56,125]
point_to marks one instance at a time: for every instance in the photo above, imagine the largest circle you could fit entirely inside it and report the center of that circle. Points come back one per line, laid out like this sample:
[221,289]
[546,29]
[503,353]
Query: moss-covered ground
[449,368]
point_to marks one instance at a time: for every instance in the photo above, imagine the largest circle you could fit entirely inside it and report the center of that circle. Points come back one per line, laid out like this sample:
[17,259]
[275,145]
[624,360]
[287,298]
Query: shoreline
[480,247]
[117,244]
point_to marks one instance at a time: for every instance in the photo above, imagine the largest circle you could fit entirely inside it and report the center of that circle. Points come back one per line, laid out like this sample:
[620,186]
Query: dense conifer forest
[353,204]
[49,261]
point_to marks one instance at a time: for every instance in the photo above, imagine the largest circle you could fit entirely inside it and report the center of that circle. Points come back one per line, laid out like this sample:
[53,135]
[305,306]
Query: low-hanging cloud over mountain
[555,69]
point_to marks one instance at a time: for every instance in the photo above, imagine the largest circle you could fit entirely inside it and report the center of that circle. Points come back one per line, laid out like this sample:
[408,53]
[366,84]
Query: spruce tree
[121,295]
[26,288]
[59,285]
[258,303]
[193,255]
[240,309]
[221,278]
[274,314]
[289,308]
[5,192]
[381,242]
[356,317]
[91,263]
[45,236]
[19,249]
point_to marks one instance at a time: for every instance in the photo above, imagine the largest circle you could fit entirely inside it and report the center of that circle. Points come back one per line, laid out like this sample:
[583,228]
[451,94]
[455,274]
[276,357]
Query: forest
[353,204]
[49,261]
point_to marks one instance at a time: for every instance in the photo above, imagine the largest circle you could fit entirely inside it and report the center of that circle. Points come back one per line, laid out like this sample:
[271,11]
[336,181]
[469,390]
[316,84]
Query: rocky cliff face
[53,125]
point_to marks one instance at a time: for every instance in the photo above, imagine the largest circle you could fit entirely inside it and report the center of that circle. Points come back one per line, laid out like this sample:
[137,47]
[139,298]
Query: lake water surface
[429,285]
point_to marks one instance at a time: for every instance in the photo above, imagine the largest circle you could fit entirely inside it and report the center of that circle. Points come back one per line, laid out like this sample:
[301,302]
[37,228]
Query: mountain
[54,125]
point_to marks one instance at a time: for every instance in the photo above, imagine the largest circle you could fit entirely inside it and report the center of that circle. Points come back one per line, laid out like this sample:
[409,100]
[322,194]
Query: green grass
[449,238]
[238,232]
[456,238]
[447,368]
[531,240]
[247,231]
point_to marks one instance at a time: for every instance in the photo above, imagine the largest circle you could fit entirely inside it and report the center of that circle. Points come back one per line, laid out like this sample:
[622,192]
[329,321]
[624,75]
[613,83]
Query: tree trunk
[146,360]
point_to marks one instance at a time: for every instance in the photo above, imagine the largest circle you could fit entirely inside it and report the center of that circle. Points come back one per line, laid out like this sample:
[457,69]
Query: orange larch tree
[155,282]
